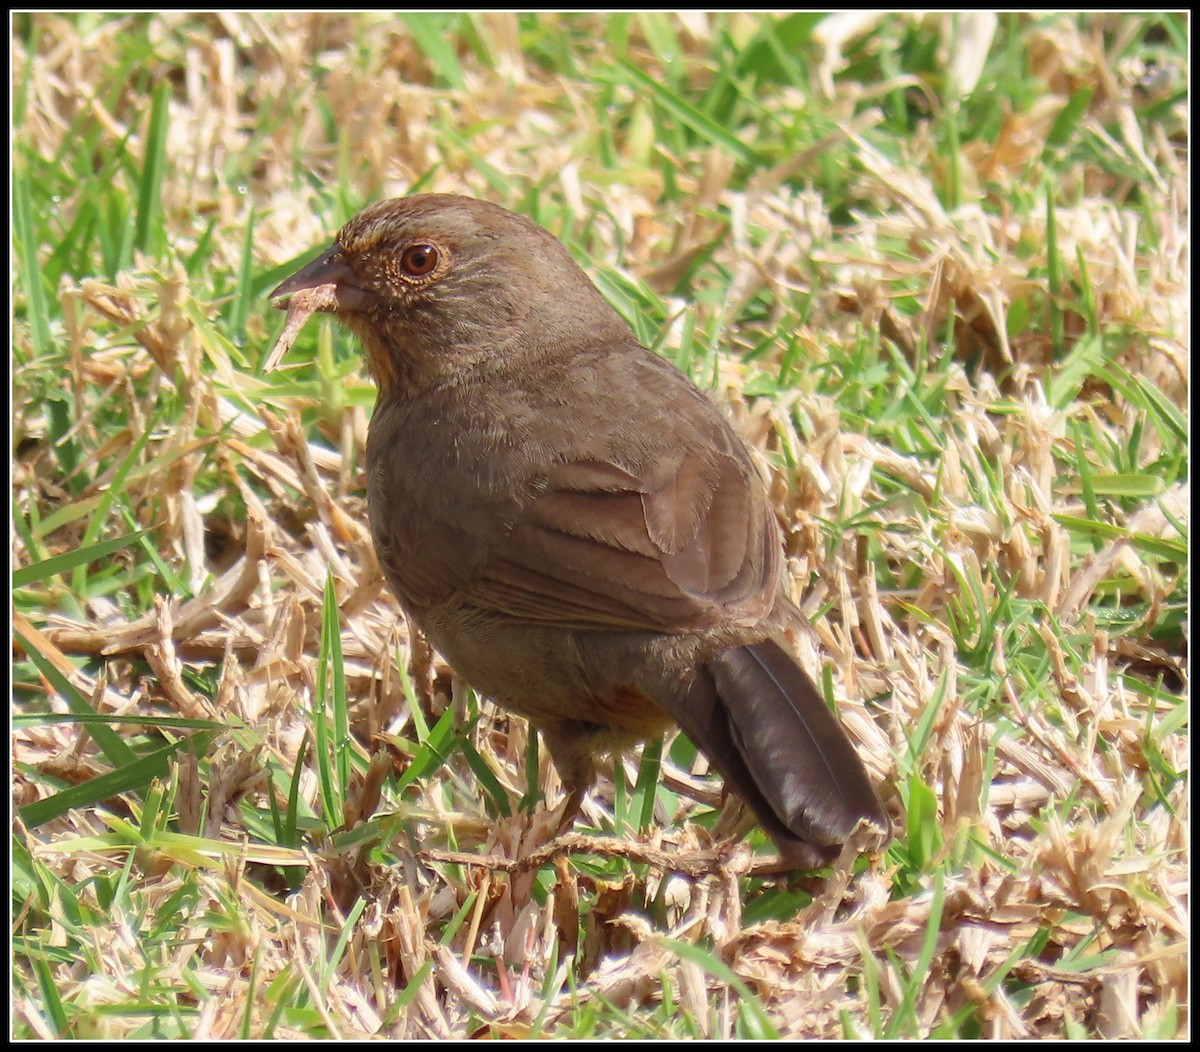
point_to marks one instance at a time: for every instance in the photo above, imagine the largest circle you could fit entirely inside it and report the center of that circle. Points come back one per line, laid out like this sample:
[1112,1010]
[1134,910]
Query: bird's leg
[570,809]
[568,744]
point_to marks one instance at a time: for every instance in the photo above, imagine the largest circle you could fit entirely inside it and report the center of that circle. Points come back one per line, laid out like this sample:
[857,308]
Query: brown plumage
[573,524]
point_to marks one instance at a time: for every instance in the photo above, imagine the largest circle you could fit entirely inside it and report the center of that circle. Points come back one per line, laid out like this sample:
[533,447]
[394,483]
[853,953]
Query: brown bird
[573,524]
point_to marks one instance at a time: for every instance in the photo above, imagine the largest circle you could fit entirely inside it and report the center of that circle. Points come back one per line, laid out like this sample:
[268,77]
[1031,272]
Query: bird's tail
[764,725]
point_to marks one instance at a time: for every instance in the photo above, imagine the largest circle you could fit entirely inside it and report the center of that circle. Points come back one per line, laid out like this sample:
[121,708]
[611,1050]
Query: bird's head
[434,284]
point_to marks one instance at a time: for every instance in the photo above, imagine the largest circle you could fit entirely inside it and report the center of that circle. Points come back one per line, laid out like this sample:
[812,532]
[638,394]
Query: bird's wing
[683,543]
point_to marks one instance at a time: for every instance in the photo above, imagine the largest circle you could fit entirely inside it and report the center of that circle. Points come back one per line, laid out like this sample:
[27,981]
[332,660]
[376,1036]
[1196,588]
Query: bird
[573,524]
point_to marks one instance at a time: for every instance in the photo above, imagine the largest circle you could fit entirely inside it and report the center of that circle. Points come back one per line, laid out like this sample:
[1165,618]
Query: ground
[935,267]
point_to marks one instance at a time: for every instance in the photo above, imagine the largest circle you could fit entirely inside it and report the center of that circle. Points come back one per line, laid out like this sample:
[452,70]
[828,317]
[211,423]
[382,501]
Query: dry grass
[960,348]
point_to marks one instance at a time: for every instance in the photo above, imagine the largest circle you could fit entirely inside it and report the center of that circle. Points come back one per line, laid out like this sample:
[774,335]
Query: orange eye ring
[420,260]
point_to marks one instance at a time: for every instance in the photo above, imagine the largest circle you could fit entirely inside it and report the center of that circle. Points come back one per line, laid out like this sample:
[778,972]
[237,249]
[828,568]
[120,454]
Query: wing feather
[601,548]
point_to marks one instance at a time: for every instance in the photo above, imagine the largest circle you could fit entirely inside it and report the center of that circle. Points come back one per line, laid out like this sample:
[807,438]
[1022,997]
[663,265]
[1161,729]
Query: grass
[936,266]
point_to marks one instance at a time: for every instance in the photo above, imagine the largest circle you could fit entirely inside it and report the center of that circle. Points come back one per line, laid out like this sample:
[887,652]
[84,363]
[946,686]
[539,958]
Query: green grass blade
[47,568]
[135,775]
[429,32]
[111,744]
[706,128]
[149,206]
[29,273]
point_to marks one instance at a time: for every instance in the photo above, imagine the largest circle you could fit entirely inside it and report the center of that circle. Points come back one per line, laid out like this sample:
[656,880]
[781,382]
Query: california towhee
[573,524]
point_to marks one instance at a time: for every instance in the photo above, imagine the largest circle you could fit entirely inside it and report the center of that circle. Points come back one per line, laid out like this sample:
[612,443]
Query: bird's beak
[327,284]
[329,268]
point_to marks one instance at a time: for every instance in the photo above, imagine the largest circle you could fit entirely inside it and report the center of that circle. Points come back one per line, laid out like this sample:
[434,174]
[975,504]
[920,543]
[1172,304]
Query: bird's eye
[419,260]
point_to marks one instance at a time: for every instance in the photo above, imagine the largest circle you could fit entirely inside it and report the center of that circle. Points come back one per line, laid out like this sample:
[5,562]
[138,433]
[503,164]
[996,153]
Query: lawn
[936,269]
